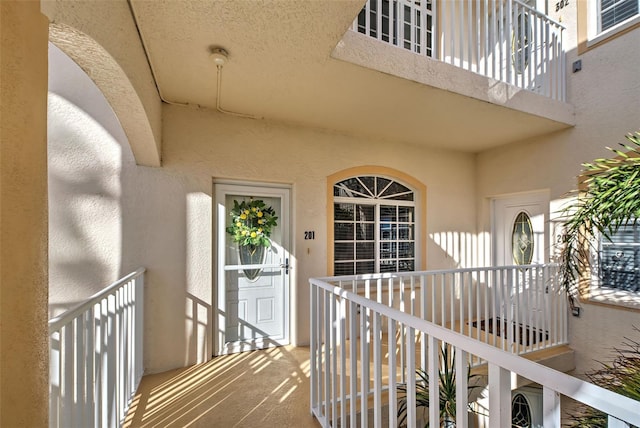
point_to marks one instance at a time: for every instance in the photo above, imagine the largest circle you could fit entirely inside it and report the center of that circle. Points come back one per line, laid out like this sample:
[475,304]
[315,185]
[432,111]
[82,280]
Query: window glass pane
[405,249]
[388,213]
[405,232]
[370,184]
[350,187]
[406,266]
[387,231]
[365,267]
[619,259]
[522,239]
[365,213]
[388,250]
[343,269]
[616,11]
[398,192]
[343,232]
[343,251]
[388,266]
[405,214]
[343,211]
[364,232]
[365,250]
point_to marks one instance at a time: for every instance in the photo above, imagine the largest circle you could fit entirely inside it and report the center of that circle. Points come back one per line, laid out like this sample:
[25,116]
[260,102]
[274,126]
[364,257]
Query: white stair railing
[506,40]
[96,356]
[519,309]
[355,368]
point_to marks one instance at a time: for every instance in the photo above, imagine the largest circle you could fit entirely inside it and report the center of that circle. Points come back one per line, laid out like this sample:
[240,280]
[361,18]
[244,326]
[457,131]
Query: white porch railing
[361,350]
[506,40]
[96,356]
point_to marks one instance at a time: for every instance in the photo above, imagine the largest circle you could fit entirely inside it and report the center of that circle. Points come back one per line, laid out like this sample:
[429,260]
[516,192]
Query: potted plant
[252,222]
[446,387]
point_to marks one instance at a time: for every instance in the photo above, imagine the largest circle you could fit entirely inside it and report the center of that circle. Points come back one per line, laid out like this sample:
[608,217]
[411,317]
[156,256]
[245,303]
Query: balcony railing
[506,40]
[96,356]
[362,350]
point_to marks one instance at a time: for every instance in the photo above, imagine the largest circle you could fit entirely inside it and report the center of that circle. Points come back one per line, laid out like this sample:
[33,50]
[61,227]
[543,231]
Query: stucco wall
[109,216]
[607,106]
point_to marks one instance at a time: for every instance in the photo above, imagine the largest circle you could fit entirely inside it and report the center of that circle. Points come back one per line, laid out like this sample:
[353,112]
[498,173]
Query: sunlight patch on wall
[198,277]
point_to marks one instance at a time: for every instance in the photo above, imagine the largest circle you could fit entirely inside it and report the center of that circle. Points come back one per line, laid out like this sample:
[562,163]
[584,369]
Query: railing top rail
[540,14]
[616,405]
[62,319]
[388,275]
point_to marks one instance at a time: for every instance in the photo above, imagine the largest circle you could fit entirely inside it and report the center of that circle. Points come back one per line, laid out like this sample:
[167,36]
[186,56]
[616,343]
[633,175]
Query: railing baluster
[377,367]
[353,362]
[411,379]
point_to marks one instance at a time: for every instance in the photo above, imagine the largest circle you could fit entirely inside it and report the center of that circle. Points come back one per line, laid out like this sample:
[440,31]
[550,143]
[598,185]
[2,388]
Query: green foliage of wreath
[251,223]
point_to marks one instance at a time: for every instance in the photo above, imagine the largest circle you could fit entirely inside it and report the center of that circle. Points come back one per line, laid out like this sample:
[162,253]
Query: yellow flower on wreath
[252,222]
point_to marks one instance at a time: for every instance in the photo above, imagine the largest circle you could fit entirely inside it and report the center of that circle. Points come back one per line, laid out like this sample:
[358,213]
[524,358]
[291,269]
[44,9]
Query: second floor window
[619,259]
[613,12]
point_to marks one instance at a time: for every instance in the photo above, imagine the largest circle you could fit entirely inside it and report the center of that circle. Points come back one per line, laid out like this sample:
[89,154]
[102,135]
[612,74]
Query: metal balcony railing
[96,356]
[506,40]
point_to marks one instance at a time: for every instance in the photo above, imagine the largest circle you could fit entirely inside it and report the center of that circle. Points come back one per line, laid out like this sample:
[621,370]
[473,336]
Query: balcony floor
[259,388]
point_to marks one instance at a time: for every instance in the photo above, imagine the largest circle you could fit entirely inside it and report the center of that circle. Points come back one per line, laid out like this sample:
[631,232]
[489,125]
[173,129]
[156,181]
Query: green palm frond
[609,197]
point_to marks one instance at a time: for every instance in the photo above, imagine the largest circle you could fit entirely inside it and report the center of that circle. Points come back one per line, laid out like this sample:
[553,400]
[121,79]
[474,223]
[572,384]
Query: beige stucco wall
[102,37]
[607,106]
[23,216]
[109,216]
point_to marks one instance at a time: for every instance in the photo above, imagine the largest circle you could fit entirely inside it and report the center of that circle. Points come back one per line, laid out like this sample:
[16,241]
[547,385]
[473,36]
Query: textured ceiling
[280,68]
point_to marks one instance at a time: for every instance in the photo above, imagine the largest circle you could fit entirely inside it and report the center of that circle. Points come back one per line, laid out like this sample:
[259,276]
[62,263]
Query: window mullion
[376,234]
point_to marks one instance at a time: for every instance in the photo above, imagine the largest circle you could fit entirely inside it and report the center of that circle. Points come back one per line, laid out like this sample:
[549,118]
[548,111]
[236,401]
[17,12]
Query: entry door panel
[527,294]
[252,313]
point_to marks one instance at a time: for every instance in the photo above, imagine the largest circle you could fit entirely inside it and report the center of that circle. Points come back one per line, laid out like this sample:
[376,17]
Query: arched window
[374,226]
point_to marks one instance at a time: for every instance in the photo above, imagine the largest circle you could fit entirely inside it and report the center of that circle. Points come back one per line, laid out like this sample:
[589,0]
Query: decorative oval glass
[522,239]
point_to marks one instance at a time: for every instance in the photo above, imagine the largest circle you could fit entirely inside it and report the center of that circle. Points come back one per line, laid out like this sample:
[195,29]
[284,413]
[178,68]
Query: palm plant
[622,376]
[446,388]
[609,197]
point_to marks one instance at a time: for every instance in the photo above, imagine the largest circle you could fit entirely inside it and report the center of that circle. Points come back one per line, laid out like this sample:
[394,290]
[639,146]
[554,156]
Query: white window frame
[376,203]
[595,35]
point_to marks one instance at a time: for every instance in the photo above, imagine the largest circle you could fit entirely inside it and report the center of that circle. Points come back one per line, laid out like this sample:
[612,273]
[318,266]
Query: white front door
[520,230]
[252,296]
[506,213]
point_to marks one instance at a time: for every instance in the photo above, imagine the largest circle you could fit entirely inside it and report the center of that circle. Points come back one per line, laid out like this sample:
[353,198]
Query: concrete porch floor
[250,389]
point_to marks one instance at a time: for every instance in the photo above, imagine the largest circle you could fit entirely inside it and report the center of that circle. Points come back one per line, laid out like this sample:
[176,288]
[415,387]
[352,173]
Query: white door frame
[221,188]
[499,203]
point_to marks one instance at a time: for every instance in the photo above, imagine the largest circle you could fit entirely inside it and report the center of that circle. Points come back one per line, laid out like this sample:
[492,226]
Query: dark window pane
[350,187]
[364,250]
[365,213]
[405,214]
[406,266]
[405,249]
[343,251]
[388,213]
[343,232]
[343,211]
[405,232]
[387,231]
[343,269]
[396,189]
[364,267]
[388,250]
[364,232]
[388,266]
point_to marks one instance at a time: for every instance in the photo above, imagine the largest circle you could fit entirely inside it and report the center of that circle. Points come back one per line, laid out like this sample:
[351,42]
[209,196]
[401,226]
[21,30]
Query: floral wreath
[252,222]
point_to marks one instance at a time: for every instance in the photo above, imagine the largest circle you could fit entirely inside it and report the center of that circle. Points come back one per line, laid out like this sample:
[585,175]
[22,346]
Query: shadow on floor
[250,389]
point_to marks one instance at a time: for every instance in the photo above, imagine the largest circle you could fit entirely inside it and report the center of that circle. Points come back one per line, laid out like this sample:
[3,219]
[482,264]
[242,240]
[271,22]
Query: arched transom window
[374,226]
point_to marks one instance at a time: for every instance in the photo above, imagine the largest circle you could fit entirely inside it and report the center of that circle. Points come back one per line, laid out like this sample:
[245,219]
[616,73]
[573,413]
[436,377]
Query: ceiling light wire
[219,96]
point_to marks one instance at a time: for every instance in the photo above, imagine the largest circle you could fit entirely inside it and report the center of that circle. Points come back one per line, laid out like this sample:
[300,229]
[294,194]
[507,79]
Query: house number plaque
[309,234]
